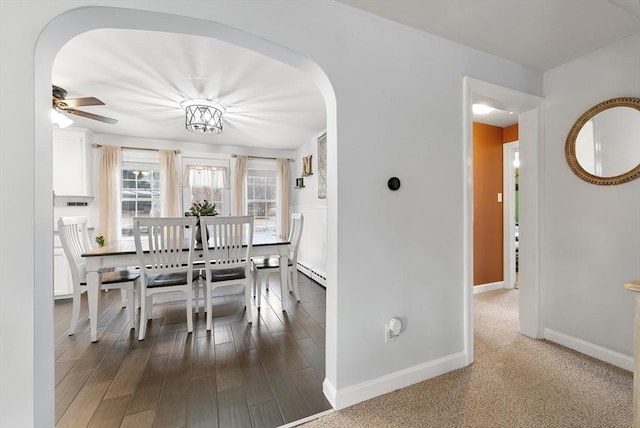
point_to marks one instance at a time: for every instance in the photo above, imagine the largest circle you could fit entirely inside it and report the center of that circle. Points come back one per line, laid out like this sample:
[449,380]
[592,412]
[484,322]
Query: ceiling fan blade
[79,102]
[92,116]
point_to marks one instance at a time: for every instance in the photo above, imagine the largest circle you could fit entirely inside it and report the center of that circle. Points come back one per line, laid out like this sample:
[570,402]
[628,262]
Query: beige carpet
[515,381]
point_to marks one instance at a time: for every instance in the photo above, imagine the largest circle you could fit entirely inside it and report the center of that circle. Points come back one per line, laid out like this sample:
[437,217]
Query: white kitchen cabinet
[71,162]
[62,282]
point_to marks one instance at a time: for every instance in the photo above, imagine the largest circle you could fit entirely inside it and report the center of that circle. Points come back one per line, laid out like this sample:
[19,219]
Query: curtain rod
[263,157]
[96,146]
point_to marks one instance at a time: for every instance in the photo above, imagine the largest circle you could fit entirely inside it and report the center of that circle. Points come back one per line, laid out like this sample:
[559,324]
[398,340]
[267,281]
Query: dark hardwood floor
[263,375]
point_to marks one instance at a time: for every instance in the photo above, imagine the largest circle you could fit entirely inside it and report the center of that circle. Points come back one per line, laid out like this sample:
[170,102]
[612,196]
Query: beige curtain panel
[110,203]
[283,198]
[239,187]
[169,184]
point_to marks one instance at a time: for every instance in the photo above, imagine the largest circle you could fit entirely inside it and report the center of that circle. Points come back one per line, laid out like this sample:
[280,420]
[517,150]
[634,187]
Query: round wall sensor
[394,183]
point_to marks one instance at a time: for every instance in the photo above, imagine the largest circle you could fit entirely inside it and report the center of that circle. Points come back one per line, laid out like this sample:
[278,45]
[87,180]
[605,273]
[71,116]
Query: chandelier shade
[203,119]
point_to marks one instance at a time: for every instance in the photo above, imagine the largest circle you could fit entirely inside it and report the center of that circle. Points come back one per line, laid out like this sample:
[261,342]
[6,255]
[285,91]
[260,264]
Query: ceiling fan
[61,102]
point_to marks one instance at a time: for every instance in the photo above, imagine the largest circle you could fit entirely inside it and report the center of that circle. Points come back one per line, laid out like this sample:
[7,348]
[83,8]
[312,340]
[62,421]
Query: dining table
[121,254]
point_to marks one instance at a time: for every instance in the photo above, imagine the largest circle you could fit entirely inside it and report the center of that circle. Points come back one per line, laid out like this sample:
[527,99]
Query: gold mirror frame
[570,146]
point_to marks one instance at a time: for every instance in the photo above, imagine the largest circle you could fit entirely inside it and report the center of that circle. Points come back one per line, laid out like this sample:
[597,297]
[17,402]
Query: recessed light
[482,109]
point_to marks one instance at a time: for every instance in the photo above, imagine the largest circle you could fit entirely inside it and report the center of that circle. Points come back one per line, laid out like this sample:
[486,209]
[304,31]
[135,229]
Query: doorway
[527,107]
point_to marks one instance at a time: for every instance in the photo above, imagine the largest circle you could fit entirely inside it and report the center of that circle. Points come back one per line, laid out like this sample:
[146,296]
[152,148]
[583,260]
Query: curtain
[283,198]
[215,177]
[240,186]
[169,184]
[110,202]
[204,182]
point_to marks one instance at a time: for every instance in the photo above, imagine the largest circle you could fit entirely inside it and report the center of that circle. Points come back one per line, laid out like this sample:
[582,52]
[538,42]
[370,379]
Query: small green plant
[100,240]
[204,208]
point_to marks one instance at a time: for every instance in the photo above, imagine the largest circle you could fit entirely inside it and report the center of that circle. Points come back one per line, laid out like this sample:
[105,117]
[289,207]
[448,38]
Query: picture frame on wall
[322,166]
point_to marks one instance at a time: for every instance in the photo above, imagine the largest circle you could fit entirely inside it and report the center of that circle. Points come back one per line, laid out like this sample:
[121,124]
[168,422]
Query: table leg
[93,291]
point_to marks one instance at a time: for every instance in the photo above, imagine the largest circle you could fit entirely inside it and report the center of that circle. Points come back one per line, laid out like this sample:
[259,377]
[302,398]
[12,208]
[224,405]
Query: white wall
[394,108]
[313,244]
[590,241]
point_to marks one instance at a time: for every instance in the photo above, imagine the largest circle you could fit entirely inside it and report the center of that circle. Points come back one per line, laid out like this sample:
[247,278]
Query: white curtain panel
[239,186]
[283,198]
[215,177]
[110,202]
[169,184]
[199,181]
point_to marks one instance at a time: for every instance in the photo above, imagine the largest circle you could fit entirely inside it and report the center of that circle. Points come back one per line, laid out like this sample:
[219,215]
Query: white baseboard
[354,394]
[590,349]
[483,288]
[330,392]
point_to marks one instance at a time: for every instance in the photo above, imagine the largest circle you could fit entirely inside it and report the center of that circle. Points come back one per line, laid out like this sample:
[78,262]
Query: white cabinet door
[62,283]
[70,162]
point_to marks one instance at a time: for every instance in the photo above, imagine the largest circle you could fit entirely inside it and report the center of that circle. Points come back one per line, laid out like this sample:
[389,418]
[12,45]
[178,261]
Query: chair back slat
[167,238]
[295,235]
[230,240]
[74,238]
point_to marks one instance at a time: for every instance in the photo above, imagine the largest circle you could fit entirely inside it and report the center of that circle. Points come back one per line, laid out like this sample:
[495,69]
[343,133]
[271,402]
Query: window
[140,193]
[206,183]
[261,199]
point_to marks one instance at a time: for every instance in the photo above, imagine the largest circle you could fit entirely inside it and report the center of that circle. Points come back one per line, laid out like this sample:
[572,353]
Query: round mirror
[603,146]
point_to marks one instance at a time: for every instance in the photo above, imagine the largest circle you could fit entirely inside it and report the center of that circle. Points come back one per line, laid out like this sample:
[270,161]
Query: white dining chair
[227,258]
[161,245]
[263,266]
[74,238]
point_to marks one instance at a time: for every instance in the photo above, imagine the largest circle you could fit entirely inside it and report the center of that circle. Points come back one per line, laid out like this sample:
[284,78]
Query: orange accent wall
[487,211]
[510,133]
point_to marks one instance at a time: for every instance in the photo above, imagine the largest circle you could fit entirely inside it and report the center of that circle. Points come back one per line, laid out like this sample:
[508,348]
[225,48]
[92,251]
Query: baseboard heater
[313,274]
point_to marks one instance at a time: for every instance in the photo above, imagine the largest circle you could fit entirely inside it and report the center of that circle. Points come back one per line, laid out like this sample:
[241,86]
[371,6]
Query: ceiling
[540,34]
[144,76]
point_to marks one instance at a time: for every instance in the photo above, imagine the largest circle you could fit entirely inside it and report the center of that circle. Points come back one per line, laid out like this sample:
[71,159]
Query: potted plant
[199,209]
[203,208]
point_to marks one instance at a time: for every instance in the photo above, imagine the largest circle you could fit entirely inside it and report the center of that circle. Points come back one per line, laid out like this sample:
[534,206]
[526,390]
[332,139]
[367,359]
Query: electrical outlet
[388,334]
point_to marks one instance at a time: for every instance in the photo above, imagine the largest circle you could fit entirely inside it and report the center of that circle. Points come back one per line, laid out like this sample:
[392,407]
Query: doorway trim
[528,108]
[509,213]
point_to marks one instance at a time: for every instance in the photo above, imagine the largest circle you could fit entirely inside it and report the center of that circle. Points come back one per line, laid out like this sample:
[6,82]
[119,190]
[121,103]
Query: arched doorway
[55,35]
